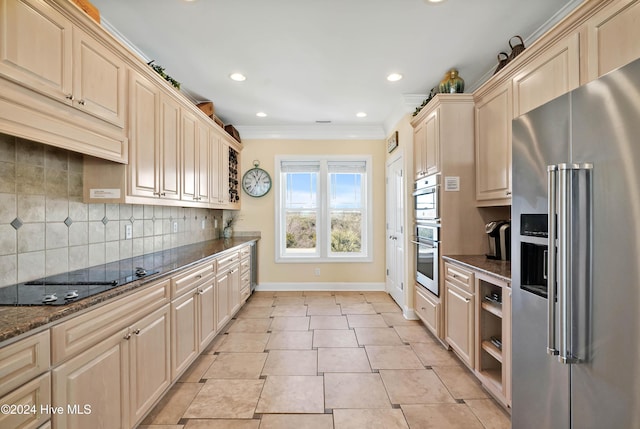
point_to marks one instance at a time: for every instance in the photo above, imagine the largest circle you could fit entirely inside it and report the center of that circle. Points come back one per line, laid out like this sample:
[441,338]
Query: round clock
[256,182]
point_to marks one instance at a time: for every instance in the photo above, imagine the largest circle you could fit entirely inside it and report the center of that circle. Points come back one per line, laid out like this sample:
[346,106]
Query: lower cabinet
[459,324]
[114,383]
[193,325]
[31,396]
[428,310]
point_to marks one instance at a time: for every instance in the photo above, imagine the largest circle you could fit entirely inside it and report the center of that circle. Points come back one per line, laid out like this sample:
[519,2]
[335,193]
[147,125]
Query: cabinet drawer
[30,397]
[245,251]
[245,265]
[79,333]
[244,294]
[227,260]
[22,361]
[459,277]
[182,283]
[428,310]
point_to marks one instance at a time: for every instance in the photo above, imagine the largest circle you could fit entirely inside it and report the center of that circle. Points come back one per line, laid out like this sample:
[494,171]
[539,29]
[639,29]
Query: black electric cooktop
[69,287]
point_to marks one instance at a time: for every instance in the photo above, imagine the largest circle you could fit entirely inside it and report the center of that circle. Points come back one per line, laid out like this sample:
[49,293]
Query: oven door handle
[432,244]
[425,191]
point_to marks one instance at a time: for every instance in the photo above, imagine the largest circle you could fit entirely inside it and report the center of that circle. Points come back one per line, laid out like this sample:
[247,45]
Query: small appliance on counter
[499,235]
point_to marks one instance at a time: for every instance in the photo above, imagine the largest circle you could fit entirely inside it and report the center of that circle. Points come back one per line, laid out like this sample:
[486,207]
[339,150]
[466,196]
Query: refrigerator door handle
[552,186]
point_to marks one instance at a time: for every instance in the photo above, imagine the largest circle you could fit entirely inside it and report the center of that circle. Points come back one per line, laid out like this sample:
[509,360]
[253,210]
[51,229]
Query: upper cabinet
[612,37]
[426,140]
[61,86]
[493,145]
[554,72]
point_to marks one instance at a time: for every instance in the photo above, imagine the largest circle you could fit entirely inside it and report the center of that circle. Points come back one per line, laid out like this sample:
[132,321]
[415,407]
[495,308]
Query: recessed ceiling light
[261,115]
[394,77]
[238,77]
[435,1]
[361,115]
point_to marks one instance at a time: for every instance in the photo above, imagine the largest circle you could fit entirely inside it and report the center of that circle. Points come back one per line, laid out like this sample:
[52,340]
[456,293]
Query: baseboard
[326,286]
[409,314]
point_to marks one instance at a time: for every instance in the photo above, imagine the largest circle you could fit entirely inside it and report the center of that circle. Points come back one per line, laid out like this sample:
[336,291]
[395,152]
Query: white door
[395,230]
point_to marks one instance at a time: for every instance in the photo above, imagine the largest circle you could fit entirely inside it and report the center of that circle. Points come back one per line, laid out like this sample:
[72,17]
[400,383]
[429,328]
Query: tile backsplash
[46,229]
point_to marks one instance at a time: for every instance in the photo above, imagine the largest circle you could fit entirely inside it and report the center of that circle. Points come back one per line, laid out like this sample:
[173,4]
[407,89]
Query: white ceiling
[323,60]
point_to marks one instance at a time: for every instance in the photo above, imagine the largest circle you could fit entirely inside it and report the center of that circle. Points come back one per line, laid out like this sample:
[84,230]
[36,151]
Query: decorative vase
[452,83]
[227,232]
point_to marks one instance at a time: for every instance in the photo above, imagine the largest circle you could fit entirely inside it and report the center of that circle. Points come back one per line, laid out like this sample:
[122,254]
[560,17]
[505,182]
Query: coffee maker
[499,235]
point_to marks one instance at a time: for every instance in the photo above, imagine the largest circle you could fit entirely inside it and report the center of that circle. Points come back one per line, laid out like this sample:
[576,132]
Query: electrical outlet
[128,231]
[316,272]
[203,224]
[175,226]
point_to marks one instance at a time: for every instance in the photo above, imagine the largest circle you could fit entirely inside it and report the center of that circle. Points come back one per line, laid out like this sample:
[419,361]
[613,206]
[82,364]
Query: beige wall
[258,214]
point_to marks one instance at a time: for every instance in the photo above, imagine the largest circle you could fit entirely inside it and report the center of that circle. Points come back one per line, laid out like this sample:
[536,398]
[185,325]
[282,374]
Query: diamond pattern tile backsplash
[46,229]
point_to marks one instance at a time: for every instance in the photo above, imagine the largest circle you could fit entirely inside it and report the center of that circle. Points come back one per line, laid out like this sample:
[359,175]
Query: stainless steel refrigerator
[576,258]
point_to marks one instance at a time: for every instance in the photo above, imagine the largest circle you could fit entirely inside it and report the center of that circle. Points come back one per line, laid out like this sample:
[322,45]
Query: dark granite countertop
[493,267]
[16,320]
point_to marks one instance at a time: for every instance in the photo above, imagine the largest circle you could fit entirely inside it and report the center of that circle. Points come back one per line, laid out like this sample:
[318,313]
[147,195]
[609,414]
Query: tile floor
[322,360]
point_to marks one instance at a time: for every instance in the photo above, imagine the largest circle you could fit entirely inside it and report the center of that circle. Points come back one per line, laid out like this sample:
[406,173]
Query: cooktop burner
[70,287]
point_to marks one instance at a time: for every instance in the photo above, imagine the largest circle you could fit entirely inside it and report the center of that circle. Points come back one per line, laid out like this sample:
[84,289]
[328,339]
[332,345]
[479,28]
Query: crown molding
[312,132]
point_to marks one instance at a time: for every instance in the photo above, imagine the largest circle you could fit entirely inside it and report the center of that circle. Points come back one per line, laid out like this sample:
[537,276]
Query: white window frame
[323,252]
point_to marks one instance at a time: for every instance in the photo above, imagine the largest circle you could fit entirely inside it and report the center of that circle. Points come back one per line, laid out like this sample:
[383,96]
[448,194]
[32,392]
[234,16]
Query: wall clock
[256,182]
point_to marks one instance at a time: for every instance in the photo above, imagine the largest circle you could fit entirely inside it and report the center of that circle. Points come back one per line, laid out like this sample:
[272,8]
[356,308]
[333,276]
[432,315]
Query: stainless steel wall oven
[427,241]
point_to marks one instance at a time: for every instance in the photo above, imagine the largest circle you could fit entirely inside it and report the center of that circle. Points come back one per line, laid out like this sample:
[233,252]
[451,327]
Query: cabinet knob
[137,332]
[163,194]
[81,102]
[69,97]
[128,336]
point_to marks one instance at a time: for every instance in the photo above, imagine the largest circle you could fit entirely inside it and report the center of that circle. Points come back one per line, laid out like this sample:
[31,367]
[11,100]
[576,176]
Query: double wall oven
[427,232]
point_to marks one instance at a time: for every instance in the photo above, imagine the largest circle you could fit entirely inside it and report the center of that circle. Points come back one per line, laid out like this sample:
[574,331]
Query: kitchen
[514,88]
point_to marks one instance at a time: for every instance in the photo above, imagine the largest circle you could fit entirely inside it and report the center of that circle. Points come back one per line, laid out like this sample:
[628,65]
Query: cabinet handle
[128,336]
[199,276]
[508,193]
[69,97]
[137,332]
[422,308]
[163,194]
[81,102]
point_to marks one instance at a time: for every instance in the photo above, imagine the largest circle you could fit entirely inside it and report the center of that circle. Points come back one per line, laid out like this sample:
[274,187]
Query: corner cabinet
[493,114]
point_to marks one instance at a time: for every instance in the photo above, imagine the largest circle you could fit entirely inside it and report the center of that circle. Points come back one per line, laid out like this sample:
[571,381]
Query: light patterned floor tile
[292,394]
[323,310]
[297,421]
[441,416]
[254,312]
[353,390]
[244,342]
[397,319]
[357,308]
[434,354]
[393,357]
[334,338]
[291,362]
[290,340]
[222,424]
[289,310]
[421,386]
[299,323]
[343,360]
[366,321]
[329,322]
[378,297]
[371,418]
[173,405]
[460,382]
[196,371]
[237,366]
[378,337]
[386,307]
[226,399]
[250,325]
[490,414]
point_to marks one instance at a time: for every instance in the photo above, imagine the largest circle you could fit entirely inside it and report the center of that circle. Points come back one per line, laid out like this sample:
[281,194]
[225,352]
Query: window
[323,209]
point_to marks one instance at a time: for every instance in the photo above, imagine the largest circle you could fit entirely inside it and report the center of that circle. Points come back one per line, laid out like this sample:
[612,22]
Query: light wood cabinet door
[555,72]
[98,377]
[184,333]
[30,396]
[222,298]
[207,310]
[459,326]
[431,156]
[150,362]
[36,47]
[24,360]
[189,156]
[99,79]
[419,150]
[234,289]
[170,148]
[612,38]
[428,310]
[144,101]
[215,165]
[493,146]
